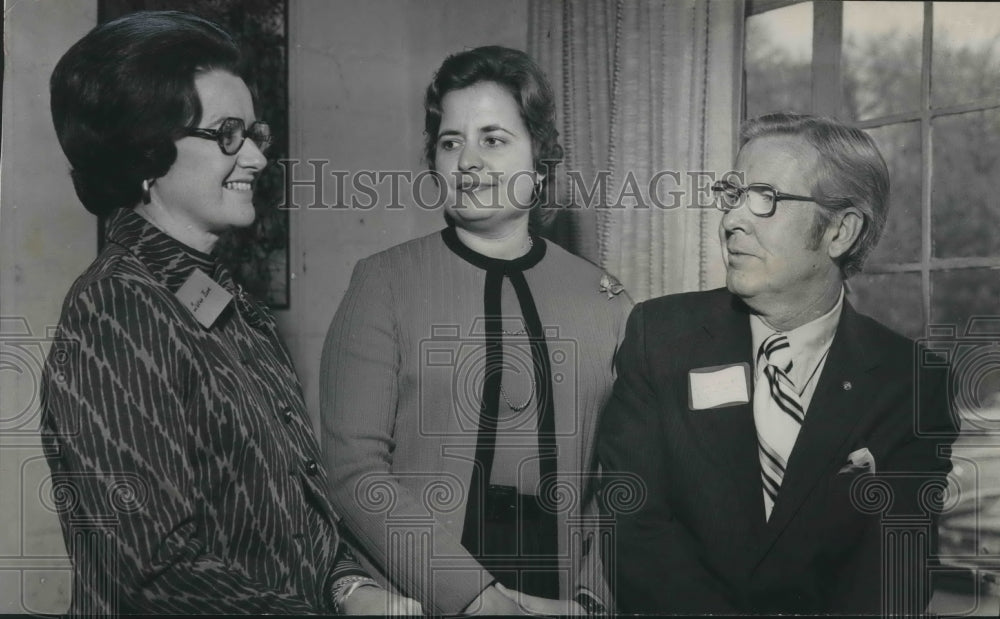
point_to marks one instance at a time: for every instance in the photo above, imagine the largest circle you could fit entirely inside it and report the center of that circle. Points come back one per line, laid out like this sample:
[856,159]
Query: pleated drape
[647,93]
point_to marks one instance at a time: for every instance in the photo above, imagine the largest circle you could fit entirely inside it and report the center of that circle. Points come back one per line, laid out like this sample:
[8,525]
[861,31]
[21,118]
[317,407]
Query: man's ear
[847,227]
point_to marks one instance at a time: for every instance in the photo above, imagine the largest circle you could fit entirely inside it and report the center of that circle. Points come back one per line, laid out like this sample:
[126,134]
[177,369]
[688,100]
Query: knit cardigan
[400,406]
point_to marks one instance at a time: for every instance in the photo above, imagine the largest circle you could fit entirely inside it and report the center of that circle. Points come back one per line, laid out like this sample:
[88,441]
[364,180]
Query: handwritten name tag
[203,297]
[719,386]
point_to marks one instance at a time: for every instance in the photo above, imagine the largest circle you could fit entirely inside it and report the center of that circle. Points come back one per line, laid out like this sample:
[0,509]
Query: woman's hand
[492,602]
[532,604]
[372,600]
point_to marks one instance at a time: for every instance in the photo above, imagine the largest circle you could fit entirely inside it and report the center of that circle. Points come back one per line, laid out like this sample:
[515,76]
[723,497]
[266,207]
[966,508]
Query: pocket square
[859,461]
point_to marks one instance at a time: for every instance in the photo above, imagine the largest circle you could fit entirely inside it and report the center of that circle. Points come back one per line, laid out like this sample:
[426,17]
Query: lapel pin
[610,285]
[847,385]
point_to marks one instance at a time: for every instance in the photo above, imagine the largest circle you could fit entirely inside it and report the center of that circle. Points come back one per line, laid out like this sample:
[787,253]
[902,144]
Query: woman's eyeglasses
[231,134]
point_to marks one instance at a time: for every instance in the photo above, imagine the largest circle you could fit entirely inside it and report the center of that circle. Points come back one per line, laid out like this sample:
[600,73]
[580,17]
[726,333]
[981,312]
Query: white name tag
[719,386]
[203,297]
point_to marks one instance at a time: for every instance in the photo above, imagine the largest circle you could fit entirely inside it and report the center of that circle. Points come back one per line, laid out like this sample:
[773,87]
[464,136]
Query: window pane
[778,60]
[966,52]
[893,299]
[961,294]
[900,146]
[881,57]
[965,203]
[956,297]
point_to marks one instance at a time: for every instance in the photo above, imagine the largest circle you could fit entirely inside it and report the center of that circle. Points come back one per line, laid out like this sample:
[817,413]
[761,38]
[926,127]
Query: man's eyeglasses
[232,133]
[762,199]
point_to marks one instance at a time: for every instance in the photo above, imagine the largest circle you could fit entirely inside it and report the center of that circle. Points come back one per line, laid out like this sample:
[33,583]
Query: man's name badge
[203,297]
[719,386]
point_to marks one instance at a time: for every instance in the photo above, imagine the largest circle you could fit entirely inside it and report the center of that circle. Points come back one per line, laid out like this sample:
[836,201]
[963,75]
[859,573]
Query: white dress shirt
[809,344]
[808,347]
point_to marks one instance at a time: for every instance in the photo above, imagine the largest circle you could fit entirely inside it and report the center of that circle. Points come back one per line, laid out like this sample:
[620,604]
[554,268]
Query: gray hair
[851,173]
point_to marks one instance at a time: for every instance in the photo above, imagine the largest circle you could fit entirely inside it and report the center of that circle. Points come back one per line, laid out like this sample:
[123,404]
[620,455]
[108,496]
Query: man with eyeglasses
[778,436]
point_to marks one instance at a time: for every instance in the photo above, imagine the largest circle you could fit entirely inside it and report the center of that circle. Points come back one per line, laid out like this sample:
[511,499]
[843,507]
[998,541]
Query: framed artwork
[258,256]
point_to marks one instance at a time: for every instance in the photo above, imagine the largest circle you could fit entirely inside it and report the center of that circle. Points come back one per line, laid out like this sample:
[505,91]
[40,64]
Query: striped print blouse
[184,464]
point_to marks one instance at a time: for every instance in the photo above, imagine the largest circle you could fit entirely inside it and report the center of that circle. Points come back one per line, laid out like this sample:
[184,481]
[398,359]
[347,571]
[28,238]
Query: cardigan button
[312,469]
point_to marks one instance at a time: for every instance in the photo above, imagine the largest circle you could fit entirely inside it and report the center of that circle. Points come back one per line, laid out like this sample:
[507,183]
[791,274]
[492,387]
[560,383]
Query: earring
[146,184]
[536,193]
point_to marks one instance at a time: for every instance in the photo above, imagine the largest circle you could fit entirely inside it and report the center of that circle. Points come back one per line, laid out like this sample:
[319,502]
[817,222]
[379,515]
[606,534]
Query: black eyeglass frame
[218,135]
[720,187]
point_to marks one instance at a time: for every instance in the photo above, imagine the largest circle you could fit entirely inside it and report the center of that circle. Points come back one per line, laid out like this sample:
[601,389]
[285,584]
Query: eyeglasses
[762,199]
[232,133]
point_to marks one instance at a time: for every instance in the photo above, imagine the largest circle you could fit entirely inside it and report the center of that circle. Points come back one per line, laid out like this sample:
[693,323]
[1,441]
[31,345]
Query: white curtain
[645,90]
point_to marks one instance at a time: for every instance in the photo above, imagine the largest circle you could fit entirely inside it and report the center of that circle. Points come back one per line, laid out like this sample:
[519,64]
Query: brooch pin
[610,285]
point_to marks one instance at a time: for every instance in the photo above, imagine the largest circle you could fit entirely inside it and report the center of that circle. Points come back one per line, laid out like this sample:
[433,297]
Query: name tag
[203,297]
[719,386]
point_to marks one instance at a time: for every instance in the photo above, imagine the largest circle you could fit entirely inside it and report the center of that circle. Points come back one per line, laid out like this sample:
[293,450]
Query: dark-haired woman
[183,459]
[464,371]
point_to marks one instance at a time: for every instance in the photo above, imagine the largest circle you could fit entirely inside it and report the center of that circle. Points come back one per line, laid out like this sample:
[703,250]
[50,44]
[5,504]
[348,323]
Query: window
[923,78]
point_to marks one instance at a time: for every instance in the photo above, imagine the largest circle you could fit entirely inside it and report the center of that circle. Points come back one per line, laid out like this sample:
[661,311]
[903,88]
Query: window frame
[827,100]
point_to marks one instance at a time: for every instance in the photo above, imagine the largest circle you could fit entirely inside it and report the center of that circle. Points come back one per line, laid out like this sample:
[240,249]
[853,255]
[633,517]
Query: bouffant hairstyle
[516,72]
[122,93]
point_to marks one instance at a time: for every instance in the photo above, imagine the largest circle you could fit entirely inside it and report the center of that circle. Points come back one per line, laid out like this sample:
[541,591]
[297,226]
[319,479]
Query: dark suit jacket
[700,543]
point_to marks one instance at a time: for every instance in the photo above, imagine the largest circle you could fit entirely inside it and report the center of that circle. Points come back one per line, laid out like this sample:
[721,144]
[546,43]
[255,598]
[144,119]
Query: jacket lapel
[834,411]
[729,433]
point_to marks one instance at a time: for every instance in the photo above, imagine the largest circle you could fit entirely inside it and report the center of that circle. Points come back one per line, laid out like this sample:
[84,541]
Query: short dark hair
[516,72]
[850,172]
[120,95]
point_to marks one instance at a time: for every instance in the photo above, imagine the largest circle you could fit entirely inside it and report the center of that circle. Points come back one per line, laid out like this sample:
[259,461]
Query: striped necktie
[777,413]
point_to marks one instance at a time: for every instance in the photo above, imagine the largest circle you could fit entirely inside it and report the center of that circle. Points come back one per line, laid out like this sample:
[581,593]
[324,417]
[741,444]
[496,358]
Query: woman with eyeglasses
[184,464]
[464,371]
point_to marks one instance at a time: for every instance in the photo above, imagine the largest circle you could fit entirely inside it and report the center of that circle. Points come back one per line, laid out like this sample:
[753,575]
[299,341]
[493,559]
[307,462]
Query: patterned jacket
[184,463]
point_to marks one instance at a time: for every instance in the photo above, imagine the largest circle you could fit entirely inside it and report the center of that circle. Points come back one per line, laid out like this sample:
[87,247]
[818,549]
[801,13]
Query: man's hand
[377,601]
[492,602]
[535,605]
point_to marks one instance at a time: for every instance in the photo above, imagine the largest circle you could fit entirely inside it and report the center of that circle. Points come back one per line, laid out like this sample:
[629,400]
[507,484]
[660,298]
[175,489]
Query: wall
[357,74]
[45,237]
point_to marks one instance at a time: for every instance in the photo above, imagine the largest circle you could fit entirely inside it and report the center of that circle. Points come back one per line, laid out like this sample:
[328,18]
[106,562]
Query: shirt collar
[171,262]
[808,343]
[525,262]
[166,258]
